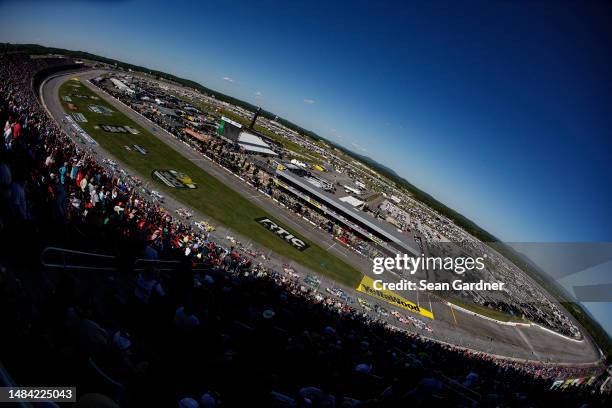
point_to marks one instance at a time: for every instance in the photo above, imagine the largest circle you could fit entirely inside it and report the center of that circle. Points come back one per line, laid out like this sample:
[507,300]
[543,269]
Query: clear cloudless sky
[500,109]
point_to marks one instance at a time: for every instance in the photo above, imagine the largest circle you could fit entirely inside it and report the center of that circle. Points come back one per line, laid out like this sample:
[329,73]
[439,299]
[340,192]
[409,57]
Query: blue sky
[500,109]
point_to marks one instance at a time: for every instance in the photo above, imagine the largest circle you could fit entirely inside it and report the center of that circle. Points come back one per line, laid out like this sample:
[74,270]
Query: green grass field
[212,197]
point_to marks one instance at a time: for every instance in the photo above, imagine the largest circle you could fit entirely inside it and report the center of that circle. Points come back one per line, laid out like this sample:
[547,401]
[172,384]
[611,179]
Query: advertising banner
[367,286]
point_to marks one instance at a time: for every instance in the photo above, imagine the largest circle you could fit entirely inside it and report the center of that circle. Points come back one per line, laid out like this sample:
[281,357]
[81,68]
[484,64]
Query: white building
[355,202]
[254,144]
[122,86]
[350,189]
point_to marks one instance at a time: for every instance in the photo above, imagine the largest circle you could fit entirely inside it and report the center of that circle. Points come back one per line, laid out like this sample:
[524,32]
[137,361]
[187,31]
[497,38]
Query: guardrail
[162,265]
[165,265]
[69,259]
[63,263]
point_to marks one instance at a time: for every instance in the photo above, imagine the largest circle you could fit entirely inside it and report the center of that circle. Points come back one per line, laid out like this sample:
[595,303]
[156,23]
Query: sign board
[173,178]
[291,239]
[367,286]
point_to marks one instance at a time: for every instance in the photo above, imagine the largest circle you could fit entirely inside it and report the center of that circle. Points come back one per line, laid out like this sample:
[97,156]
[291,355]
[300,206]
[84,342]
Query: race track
[451,326]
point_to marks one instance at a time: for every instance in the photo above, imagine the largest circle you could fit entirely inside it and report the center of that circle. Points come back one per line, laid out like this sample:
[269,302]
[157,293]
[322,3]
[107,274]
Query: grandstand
[102,289]
[370,229]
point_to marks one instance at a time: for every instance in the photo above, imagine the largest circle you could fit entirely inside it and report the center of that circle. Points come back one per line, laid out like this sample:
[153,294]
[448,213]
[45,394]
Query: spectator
[147,285]
[184,318]
[265,335]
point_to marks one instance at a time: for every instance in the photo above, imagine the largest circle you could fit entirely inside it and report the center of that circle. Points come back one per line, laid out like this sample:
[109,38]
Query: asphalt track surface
[456,327]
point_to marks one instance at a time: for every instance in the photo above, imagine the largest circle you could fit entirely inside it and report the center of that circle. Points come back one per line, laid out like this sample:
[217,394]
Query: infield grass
[212,197]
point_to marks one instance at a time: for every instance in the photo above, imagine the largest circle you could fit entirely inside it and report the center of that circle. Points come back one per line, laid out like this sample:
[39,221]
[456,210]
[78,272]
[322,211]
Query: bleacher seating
[170,317]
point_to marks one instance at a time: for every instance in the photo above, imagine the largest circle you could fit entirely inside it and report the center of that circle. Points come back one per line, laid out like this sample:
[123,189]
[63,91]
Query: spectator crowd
[208,326]
[524,299]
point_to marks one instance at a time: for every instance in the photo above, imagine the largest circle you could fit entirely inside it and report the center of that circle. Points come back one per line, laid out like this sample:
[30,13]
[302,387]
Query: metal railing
[165,265]
[69,259]
[64,263]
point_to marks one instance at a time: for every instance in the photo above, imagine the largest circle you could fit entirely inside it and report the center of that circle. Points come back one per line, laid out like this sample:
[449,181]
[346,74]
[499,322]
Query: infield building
[383,235]
[246,138]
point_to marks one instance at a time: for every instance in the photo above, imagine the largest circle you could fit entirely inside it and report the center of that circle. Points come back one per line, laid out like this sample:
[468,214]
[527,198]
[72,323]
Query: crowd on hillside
[214,330]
